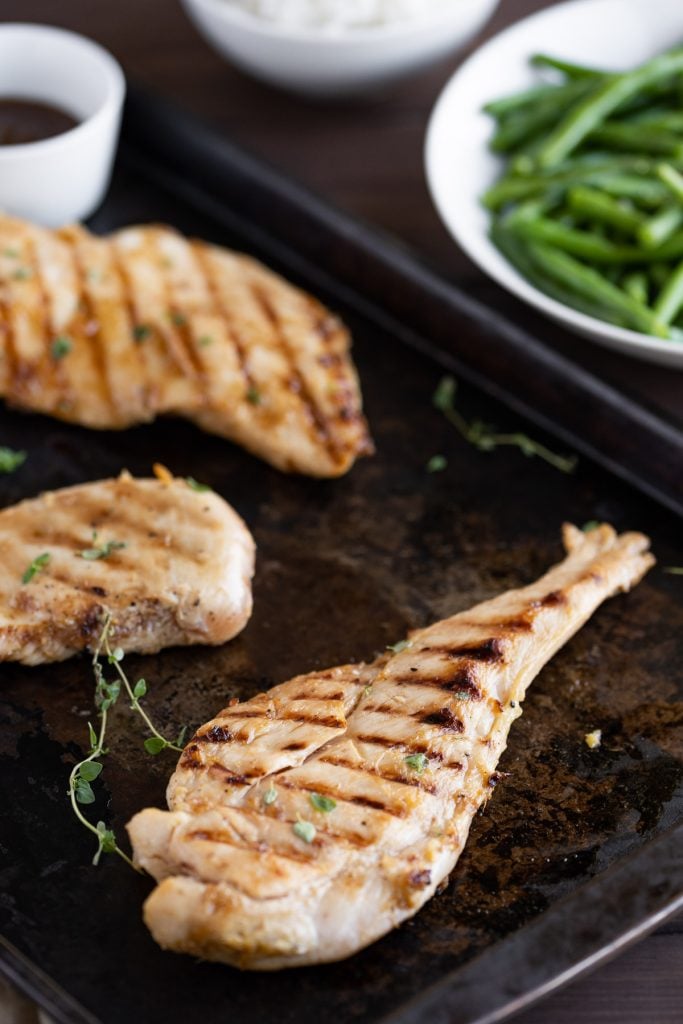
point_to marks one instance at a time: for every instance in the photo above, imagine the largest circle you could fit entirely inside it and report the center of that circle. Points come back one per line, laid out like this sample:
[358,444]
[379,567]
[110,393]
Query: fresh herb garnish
[11,254]
[141,332]
[437,464]
[591,525]
[673,570]
[324,804]
[485,437]
[416,762]
[270,795]
[462,695]
[254,396]
[177,319]
[61,347]
[11,460]
[205,340]
[22,274]
[36,565]
[400,646]
[195,485]
[98,551]
[304,830]
[88,770]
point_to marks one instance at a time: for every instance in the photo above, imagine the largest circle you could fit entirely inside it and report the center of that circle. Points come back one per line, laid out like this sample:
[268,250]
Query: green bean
[518,127]
[513,187]
[590,284]
[608,95]
[636,286]
[659,274]
[587,244]
[659,228]
[670,299]
[596,205]
[516,252]
[509,104]
[542,60]
[644,191]
[662,119]
[638,138]
[672,179]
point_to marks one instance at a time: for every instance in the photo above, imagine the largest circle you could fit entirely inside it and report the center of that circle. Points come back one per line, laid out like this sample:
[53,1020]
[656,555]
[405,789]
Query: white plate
[614,34]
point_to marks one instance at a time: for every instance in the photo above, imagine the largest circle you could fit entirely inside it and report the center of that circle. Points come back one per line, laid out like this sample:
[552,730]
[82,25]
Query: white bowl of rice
[336,47]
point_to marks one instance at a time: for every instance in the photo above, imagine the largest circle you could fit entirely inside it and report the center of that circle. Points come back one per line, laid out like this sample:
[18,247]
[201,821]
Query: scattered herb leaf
[324,804]
[400,646]
[437,464]
[155,744]
[141,332]
[61,347]
[205,340]
[417,762]
[11,460]
[36,565]
[462,695]
[11,254]
[89,769]
[304,830]
[673,570]
[100,550]
[177,319]
[270,795]
[22,274]
[591,525]
[254,396]
[195,485]
[484,437]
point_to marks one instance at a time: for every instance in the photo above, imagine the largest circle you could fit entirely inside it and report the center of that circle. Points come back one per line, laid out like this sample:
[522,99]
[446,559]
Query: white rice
[336,14]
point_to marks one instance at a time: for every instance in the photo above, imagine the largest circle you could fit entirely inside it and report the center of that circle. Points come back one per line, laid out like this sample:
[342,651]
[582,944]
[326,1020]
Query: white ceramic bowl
[614,34]
[332,63]
[63,178]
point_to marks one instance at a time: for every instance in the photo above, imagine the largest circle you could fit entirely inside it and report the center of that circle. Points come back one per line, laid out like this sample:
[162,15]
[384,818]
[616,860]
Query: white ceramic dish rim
[115,91]
[327,36]
[481,254]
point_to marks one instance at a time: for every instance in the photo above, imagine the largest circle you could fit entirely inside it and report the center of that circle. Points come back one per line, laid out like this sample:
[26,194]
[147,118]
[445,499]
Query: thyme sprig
[10,459]
[673,570]
[89,768]
[485,437]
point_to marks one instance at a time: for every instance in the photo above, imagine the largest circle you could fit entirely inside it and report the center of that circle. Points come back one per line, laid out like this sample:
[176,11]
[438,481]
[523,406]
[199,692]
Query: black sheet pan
[579,851]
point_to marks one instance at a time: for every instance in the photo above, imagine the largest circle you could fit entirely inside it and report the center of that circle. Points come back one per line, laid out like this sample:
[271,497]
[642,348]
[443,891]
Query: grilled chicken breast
[171,565]
[112,332]
[310,820]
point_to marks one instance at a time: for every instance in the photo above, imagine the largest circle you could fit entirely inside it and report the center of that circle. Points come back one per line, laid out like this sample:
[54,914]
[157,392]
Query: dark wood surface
[367,157]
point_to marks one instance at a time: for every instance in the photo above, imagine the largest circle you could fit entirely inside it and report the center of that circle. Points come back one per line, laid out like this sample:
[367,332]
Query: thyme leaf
[673,570]
[61,347]
[305,830]
[195,485]
[11,460]
[88,770]
[400,646]
[324,804]
[416,762]
[101,550]
[36,565]
[437,464]
[485,437]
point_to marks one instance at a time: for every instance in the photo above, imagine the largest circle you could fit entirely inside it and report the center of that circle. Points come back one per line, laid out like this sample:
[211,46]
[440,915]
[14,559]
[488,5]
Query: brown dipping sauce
[24,121]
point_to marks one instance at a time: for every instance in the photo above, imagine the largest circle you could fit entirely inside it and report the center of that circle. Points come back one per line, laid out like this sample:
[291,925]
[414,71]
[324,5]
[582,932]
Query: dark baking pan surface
[578,852]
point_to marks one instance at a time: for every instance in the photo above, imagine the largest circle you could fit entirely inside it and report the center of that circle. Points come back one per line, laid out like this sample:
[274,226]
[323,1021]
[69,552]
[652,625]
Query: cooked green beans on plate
[590,207]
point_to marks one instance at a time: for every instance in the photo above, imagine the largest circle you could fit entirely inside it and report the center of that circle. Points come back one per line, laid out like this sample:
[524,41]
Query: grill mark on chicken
[390,776]
[446,718]
[90,344]
[325,721]
[179,336]
[490,650]
[297,385]
[149,388]
[216,734]
[205,266]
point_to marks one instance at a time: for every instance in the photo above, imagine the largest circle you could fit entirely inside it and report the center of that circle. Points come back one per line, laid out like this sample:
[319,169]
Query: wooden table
[367,158]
